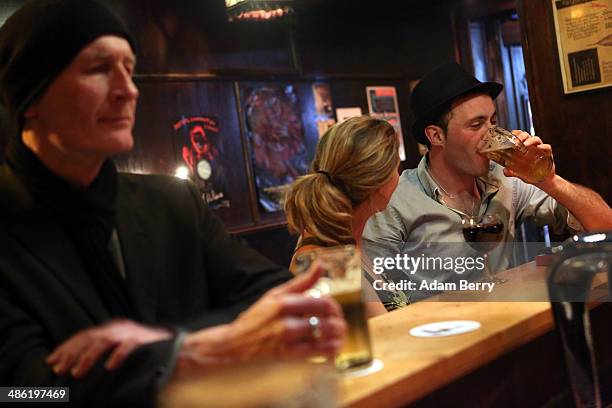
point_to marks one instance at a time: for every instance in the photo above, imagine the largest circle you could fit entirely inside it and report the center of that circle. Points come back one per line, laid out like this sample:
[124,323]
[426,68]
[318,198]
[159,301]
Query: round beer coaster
[374,366]
[443,329]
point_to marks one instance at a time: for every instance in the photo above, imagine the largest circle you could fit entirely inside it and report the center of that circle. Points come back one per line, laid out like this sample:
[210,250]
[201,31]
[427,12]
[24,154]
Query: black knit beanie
[40,40]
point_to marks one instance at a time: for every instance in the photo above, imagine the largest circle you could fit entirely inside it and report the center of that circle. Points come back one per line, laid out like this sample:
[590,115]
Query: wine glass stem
[487,268]
[489,277]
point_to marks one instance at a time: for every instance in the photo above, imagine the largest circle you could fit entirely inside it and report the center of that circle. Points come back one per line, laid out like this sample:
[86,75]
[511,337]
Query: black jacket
[183,270]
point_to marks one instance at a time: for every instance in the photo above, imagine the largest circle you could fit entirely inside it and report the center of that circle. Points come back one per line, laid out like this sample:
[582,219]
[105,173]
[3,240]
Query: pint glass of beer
[341,279]
[504,148]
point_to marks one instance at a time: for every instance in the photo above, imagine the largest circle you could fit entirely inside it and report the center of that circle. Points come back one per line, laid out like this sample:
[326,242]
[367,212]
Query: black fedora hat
[436,90]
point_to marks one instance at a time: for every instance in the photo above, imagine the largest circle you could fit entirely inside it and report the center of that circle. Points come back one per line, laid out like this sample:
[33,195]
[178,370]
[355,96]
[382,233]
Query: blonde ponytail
[353,159]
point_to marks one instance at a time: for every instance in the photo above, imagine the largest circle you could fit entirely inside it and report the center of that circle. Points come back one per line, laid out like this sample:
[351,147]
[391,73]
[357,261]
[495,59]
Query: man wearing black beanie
[84,246]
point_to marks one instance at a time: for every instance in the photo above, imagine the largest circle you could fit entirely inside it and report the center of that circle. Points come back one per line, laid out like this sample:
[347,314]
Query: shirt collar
[488,184]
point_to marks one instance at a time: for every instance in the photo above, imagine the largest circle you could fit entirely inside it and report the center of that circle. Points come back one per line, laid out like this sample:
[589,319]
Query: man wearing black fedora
[453,110]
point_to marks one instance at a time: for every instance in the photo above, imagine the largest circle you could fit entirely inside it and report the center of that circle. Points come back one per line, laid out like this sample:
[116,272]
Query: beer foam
[323,287]
[331,287]
[495,140]
[345,286]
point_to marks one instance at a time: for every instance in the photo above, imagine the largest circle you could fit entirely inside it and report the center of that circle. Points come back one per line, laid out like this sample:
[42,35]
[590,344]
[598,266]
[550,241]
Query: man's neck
[77,169]
[449,179]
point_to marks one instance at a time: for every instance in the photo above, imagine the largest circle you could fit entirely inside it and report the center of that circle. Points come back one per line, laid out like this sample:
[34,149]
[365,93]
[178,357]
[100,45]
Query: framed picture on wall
[584,40]
[191,130]
[275,138]
[200,145]
[382,104]
[324,108]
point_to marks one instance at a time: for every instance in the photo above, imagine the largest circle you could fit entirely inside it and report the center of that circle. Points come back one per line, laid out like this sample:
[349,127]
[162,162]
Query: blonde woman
[353,175]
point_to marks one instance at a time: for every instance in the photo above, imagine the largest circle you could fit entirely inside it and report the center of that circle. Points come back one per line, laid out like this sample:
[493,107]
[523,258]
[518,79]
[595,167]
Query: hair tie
[339,184]
[326,174]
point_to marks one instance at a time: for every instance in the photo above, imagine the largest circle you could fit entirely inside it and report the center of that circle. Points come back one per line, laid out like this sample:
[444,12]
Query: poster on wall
[201,150]
[382,104]
[324,108]
[345,113]
[584,40]
[276,138]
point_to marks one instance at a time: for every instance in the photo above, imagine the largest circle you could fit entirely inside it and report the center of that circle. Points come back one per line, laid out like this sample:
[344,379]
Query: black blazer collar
[29,226]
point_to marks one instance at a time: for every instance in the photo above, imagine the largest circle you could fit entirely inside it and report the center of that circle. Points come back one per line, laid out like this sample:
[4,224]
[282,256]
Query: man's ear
[435,135]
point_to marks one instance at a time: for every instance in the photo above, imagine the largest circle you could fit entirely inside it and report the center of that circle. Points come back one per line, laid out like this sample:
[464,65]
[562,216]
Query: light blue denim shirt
[417,223]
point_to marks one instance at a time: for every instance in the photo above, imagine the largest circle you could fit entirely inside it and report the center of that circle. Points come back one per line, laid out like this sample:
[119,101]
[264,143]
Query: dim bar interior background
[206,83]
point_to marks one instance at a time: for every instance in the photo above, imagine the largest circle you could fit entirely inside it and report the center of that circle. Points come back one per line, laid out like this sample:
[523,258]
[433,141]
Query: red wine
[485,236]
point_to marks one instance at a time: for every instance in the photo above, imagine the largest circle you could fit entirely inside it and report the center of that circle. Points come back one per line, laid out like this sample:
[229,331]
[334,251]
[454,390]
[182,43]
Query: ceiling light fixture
[257,10]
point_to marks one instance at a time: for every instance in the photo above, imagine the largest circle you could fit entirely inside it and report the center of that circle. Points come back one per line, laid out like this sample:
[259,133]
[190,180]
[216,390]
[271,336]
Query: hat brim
[493,89]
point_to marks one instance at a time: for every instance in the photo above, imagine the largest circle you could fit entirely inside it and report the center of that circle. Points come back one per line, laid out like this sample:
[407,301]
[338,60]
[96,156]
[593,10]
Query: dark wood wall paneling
[578,126]
[479,9]
[194,37]
[376,39]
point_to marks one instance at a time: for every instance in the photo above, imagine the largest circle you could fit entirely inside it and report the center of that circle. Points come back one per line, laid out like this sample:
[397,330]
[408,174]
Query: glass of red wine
[483,234]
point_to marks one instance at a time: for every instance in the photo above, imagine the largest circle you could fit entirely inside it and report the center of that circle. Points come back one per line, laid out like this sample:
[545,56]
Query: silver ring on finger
[315,327]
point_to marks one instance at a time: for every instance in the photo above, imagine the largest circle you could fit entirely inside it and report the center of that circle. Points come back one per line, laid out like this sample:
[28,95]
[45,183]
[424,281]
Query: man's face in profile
[89,109]
[471,117]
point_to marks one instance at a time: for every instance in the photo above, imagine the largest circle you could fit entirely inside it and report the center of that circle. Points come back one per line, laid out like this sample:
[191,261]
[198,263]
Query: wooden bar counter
[513,359]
